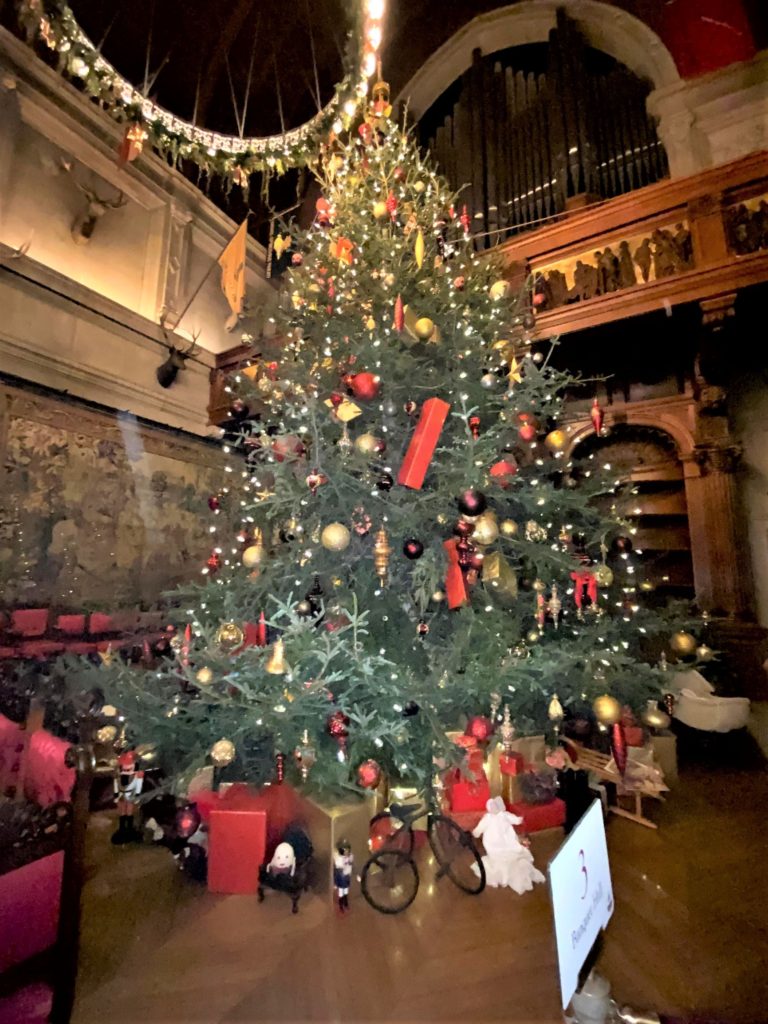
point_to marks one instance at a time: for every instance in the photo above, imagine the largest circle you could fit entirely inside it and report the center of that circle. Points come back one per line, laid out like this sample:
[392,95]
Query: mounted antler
[168,371]
[84,224]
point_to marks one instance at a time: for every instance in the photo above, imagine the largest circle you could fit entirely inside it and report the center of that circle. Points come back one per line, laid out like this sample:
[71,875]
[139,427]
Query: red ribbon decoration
[584,584]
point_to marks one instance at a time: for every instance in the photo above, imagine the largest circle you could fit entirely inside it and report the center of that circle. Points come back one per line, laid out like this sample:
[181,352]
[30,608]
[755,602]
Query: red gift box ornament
[434,413]
[584,585]
[455,584]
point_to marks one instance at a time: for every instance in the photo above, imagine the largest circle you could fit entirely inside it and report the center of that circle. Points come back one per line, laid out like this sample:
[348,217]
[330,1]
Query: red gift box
[634,735]
[468,794]
[511,764]
[537,817]
[423,443]
[237,843]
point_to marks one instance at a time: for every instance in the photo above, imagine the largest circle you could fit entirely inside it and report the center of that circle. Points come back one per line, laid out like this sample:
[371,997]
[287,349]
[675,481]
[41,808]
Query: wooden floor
[689,935]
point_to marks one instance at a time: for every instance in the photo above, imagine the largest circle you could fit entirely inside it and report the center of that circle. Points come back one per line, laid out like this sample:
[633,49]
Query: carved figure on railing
[663,254]
[747,228]
[683,247]
[627,274]
[557,287]
[609,271]
[643,258]
[584,281]
[597,257]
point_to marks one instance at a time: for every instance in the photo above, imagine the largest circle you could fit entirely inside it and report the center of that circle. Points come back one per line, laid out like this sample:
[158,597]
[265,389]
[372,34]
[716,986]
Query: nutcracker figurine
[343,860]
[128,784]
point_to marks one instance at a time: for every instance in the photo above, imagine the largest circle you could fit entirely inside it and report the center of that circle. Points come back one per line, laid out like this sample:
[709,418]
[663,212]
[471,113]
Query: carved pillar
[174,286]
[722,566]
[710,246]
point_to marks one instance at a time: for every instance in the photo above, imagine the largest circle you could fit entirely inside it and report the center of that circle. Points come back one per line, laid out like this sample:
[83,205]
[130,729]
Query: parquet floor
[690,934]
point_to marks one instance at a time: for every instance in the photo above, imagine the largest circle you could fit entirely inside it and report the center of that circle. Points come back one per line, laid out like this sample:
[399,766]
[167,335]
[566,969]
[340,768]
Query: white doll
[283,860]
[507,862]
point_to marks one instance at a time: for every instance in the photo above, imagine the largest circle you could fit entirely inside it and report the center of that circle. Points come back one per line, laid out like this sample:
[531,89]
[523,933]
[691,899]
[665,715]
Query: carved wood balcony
[690,239]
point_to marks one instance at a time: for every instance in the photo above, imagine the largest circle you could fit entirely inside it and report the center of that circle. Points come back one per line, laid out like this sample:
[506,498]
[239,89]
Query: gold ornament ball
[486,529]
[704,653]
[424,328]
[222,753]
[533,636]
[683,644]
[603,575]
[106,734]
[654,717]
[253,556]
[418,187]
[229,635]
[335,537]
[204,676]
[380,209]
[366,444]
[508,528]
[607,710]
[499,290]
[438,595]
[556,440]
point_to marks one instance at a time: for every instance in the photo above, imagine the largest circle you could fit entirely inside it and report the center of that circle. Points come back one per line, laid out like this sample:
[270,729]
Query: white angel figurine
[506,861]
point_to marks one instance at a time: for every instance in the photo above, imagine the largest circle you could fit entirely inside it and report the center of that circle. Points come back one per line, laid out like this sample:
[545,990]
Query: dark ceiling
[192,43]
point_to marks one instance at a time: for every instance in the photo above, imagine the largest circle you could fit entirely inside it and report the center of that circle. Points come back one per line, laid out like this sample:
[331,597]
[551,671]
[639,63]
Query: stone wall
[98,509]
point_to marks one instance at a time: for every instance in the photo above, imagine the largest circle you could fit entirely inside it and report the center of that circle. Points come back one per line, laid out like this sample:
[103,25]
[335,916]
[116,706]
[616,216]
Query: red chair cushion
[29,621]
[72,625]
[100,623]
[40,648]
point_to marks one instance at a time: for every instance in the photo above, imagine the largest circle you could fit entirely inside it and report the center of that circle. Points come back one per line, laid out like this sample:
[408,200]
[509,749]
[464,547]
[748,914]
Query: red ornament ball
[527,432]
[413,548]
[480,728]
[365,386]
[338,725]
[369,774]
[471,503]
[214,503]
[464,528]
[503,471]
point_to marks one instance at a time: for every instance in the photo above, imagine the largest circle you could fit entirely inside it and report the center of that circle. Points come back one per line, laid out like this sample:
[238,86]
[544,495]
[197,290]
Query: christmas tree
[404,542]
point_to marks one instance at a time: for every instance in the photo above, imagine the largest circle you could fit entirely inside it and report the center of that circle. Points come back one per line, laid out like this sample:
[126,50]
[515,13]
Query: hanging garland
[53,22]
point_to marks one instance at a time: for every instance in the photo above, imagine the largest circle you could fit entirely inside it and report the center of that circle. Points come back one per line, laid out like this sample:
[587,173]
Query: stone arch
[669,422]
[607,28]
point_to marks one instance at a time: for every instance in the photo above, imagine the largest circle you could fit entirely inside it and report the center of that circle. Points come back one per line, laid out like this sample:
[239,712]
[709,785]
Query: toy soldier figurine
[342,872]
[128,785]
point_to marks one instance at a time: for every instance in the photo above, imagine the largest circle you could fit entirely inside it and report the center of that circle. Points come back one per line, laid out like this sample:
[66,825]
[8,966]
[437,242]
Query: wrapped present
[537,817]
[236,850]
[635,735]
[511,789]
[532,748]
[511,764]
[423,443]
[467,794]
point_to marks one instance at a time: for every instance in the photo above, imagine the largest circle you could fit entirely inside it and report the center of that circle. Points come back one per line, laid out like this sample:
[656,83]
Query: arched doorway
[655,500]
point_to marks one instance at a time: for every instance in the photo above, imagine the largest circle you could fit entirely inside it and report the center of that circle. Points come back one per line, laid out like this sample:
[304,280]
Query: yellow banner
[232,263]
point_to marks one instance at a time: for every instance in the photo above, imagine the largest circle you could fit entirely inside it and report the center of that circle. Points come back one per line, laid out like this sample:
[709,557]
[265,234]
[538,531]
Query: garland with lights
[230,156]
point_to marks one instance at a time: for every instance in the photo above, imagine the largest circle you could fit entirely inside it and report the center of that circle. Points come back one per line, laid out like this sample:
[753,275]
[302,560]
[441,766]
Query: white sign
[582,895]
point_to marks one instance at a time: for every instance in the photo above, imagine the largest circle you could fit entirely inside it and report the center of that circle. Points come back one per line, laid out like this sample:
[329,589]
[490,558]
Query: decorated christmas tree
[405,547]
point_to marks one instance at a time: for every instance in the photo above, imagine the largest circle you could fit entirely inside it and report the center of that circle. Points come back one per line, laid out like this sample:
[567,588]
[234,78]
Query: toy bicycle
[390,879]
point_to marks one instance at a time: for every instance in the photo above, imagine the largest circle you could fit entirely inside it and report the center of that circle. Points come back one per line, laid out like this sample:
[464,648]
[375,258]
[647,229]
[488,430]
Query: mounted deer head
[84,224]
[168,371]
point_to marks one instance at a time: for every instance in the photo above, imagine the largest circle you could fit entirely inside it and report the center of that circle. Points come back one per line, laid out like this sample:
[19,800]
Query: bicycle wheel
[456,853]
[390,882]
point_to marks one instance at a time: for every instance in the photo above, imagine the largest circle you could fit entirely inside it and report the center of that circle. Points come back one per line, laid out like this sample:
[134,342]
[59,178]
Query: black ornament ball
[239,410]
[529,321]
[413,548]
[385,482]
[471,503]
[411,709]
[622,544]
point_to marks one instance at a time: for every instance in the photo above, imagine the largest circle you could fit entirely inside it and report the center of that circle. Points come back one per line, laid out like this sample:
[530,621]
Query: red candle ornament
[455,585]
[597,416]
[619,746]
[399,318]
[434,413]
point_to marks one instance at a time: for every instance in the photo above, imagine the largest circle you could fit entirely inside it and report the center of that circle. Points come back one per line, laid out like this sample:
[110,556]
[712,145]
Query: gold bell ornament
[555,711]
[381,553]
[276,664]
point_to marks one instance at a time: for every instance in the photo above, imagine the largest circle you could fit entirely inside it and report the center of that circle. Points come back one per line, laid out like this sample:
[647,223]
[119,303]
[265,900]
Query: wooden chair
[597,763]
